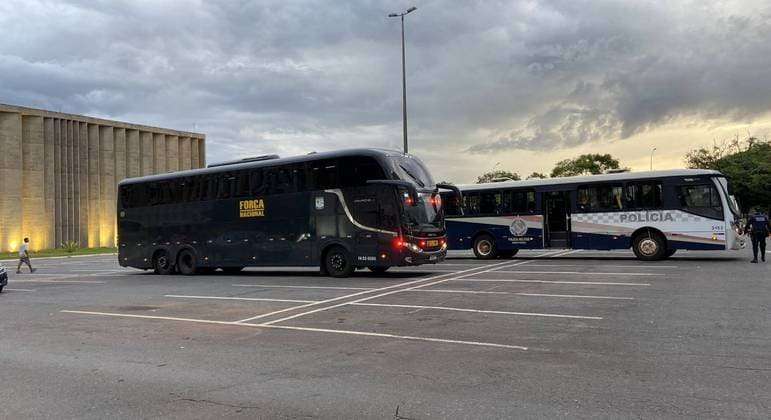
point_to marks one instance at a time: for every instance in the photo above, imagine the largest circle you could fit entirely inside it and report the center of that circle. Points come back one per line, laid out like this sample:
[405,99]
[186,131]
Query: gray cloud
[296,75]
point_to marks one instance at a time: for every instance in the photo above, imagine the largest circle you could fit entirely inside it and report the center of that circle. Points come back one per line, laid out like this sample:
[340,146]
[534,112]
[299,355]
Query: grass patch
[60,252]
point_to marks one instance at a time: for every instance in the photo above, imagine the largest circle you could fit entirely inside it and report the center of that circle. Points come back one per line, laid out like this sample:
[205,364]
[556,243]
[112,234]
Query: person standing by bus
[758,227]
[24,257]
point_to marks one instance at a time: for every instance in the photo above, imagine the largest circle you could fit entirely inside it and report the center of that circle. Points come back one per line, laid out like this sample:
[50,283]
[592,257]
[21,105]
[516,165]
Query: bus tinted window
[323,175]
[451,204]
[600,198]
[490,202]
[515,202]
[643,195]
[356,171]
[703,200]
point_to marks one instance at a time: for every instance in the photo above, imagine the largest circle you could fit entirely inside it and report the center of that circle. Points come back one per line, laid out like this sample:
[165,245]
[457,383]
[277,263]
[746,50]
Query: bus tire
[649,246]
[484,247]
[507,253]
[378,270]
[337,262]
[162,263]
[186,262]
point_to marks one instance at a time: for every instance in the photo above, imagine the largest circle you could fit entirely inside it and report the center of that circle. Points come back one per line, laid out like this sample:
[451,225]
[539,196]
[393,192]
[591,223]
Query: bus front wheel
[484,247]
[649,246]
[162,263]
[186,263]
[338,263]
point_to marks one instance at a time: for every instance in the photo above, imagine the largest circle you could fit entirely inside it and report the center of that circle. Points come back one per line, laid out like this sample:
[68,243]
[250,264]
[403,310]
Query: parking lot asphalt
[546,334]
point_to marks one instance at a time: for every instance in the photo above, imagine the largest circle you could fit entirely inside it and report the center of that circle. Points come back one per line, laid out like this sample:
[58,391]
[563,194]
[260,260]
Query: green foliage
[497,175]
[70,246]
[746,163]
[536,175]
[588,164]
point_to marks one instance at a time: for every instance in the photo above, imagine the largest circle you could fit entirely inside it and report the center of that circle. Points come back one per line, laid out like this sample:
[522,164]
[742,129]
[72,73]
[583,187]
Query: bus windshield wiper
[407,171]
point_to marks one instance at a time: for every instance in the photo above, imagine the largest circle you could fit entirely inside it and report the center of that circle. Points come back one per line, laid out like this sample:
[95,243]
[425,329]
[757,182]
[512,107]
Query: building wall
[59,173]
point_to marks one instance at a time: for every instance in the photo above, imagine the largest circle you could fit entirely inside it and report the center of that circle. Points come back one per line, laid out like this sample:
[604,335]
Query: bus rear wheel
[484,247]
[338,263]
[162,263]
[186,262]
[649,246]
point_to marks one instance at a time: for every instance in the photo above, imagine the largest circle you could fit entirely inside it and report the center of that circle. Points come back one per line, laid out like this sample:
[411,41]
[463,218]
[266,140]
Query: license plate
[433,242]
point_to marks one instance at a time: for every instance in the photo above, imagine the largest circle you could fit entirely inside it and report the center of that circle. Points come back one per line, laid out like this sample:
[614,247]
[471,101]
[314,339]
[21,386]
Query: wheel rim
[484,247]
[649,247]
[163,262]
[337,262]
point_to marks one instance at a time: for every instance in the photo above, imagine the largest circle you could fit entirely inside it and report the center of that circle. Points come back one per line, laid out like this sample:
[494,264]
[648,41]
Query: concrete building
[59,173]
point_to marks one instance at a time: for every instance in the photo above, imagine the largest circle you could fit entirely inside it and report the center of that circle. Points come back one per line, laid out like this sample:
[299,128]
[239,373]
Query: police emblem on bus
[518,227]
[319,203]
[251,208]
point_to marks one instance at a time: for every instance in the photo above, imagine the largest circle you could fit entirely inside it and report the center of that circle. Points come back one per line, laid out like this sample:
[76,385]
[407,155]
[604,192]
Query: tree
[746,163]
[536,175]
[497,175]
[585,165]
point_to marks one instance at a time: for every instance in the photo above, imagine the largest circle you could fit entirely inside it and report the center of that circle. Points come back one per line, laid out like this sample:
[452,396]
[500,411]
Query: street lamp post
[652,150]
[404,74]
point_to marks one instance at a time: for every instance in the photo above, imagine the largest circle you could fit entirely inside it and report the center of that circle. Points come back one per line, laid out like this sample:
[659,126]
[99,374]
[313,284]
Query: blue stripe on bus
[461,235]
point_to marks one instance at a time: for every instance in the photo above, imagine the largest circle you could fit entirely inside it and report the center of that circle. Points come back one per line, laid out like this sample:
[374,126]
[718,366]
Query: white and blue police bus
[654,213]
[338,210]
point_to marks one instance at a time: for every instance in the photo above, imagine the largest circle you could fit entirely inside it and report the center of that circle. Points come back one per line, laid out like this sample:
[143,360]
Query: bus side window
[471,203]
[323,175]
[299,174]
[703,200]
[489,202]
[256,182]
[531,202]
[450,204]
[600,198]
[243,187]
[643,195]
[356,171]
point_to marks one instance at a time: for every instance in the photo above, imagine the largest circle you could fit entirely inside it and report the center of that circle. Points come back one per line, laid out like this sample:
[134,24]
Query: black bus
[340,210]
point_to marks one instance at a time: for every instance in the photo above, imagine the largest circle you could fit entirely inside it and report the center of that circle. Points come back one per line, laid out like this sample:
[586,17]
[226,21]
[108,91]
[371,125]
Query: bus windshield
[425,211]
[729,198]
[410,168]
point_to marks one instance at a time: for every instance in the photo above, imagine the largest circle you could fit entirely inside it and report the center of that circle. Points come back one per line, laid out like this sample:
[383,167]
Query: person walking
[758,227]
[24,257]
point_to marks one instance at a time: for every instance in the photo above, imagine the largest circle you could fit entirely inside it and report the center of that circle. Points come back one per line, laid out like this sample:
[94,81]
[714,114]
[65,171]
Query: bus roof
[586,179]
[372,152]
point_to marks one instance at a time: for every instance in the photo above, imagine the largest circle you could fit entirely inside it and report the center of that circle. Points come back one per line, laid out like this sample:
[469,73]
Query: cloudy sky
[522,83]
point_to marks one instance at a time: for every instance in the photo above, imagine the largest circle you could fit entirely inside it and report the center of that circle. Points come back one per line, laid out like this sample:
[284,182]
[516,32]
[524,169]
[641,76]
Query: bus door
[556,212]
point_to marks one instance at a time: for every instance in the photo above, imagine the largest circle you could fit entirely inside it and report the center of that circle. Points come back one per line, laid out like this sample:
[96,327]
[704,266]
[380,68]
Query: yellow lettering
[252,208]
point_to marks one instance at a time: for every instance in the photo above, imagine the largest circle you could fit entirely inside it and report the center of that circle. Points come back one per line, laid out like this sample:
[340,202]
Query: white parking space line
[303,287]
[575,296]
[478,311]
[349,296]
[165,318]
[580,283]
[484,292]
[605,265]
[239,298]
[584,273]
[402,337]
[19,290]
[54,281]
[458,274]
[282,327]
